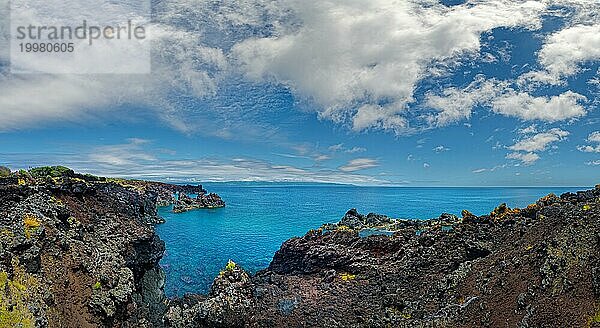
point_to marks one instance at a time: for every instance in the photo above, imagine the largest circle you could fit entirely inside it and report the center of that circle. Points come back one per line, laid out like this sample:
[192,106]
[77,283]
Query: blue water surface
[261,216]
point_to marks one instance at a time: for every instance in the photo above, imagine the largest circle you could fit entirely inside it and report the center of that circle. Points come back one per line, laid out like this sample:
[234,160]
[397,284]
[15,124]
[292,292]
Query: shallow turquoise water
[260,216]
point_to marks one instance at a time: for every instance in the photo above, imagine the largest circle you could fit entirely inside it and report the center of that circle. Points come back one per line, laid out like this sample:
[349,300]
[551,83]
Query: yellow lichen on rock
[31,223]
[230,266]
[14,298]
[347,276]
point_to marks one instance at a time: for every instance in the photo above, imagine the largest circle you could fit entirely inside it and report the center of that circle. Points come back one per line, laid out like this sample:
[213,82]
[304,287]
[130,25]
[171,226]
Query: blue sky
[483,93]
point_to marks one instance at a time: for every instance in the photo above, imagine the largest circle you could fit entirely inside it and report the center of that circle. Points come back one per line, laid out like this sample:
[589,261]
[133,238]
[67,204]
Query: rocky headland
[81,251]
[186,203]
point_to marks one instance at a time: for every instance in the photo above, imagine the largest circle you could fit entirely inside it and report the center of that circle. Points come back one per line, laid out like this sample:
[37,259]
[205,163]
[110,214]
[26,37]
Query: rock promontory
[186,203]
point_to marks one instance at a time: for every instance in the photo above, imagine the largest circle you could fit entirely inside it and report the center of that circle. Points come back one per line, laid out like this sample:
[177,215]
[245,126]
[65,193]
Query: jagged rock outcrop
[228,304]
[165,192]
[186,203]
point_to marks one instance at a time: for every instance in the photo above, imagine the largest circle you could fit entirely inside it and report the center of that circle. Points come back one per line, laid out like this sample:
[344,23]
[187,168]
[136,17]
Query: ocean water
[261,216]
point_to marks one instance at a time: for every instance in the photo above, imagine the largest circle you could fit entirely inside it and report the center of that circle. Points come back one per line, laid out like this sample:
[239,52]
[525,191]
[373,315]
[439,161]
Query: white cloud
[456,104]
[183,65]
[356,150]
[359,164]
[526,149]
[441,149]
[540,141]
[321,158]
[426,165]
[336,148]
[342,149]
[361,60]
[526,158]
[124,154]
[550,109]
[564,51]
[492,169]
[137,158]
[593,138]
[593,163]
[529,130]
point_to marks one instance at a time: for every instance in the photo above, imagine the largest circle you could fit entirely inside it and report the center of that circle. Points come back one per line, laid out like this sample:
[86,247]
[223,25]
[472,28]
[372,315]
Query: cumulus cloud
[563,53]
[529,130]
[526,149]
[594,137]
[359,164]
[361,61]
[540,141]
[455,104]
[183,66]
[594,140]
[550,109]
[525,158]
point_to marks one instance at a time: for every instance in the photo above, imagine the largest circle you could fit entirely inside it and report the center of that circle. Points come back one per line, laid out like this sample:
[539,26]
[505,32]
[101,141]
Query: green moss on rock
[51,171]
[4,172]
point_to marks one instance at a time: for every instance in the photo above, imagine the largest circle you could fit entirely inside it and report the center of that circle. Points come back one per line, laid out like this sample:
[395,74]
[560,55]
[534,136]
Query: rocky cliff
[80,251]
[77,251]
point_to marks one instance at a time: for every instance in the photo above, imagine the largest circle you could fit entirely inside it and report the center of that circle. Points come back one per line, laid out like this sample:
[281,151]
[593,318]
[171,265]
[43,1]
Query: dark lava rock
[83,254]
[185,203]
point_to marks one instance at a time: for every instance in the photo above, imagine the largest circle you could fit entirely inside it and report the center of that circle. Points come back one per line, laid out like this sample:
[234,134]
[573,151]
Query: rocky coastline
[81,251]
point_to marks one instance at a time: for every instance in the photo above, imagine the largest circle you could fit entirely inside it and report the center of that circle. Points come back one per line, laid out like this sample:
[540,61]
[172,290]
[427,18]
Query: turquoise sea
[261,216]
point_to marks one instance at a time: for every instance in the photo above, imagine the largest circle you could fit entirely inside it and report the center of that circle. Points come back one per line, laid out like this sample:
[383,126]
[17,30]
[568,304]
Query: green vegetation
[51,171]
[14,298]
[4,171]
[31,224]
[230,266]
[594,319]
[97,285]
